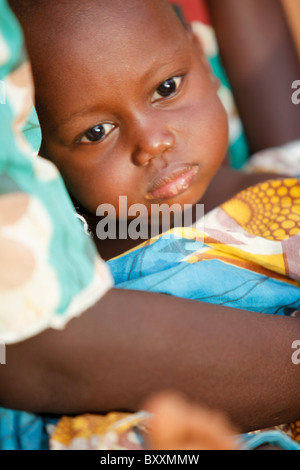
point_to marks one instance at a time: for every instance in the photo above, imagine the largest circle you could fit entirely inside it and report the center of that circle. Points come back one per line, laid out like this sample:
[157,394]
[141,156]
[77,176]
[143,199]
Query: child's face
[127,108]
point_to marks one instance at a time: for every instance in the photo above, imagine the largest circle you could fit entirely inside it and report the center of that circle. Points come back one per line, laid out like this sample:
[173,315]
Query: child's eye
[167,88]
[97,133]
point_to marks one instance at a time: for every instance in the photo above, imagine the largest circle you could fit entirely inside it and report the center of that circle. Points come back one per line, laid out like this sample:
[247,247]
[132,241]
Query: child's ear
[197,43]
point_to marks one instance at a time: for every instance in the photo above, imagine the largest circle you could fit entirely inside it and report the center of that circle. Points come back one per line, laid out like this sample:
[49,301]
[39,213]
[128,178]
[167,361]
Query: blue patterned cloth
[24,431]
[165,266]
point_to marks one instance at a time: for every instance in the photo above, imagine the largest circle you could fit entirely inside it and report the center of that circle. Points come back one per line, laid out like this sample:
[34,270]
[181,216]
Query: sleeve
[283,160]
[50,271]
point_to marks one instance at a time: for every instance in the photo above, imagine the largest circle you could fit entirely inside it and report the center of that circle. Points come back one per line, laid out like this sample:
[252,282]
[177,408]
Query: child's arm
[261,62]
[132,344]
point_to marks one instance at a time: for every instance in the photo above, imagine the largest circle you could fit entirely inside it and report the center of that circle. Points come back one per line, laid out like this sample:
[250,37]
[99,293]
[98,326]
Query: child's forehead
[89,51]
[107,16]
[107,31]
[138,20]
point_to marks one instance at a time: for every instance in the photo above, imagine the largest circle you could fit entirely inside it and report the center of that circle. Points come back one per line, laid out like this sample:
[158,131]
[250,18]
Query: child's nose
[152,141]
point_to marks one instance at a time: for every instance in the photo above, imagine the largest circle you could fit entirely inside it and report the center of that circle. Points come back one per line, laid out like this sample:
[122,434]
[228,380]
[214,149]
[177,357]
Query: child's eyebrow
[71,116]
[179,54]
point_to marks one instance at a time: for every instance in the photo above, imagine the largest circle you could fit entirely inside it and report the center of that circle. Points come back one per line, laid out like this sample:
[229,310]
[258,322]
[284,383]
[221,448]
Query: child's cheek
[206,123]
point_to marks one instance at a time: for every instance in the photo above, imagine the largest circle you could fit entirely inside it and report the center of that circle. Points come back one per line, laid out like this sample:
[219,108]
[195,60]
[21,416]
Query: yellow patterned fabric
[115,431]
[259,229]
[295,431]
[270,210]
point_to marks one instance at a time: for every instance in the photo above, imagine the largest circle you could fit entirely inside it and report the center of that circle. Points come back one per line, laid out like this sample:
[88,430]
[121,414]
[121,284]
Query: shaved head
[69,12]
[53,27]
[58,32]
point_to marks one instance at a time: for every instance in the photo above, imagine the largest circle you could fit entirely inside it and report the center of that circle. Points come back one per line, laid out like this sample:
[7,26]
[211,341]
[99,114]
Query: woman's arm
[261,62]
[133,344]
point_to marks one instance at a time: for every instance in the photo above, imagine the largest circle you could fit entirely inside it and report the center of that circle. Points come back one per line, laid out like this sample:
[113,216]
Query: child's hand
[179,425]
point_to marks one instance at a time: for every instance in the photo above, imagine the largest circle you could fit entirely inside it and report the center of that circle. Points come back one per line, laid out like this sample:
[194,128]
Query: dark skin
[133,344]
[261,62]
[113,358]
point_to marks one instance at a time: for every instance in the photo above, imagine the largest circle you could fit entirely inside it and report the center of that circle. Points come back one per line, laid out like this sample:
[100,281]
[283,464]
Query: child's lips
[172,183]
